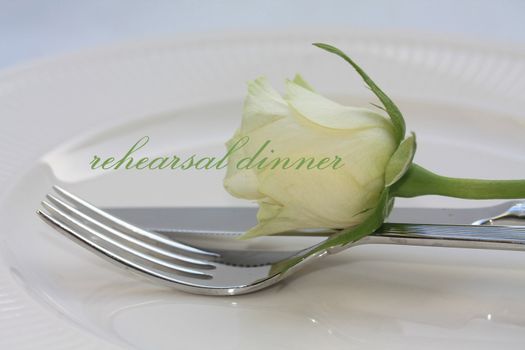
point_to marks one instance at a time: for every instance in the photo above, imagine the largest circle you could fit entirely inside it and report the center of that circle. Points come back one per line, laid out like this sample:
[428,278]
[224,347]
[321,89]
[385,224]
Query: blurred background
[33,29]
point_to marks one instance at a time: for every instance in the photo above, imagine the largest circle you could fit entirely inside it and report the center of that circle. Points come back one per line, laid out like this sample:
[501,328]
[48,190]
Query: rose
[356,197]
[306,124]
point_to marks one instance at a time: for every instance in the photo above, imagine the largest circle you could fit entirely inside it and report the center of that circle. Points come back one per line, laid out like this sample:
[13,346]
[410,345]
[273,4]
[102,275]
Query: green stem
[419,182]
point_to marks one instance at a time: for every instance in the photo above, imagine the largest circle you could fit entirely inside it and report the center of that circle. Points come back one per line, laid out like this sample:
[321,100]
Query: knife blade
[237,220]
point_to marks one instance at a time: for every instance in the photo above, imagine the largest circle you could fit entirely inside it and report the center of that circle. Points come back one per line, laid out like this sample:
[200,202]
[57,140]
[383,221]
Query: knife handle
[458,236]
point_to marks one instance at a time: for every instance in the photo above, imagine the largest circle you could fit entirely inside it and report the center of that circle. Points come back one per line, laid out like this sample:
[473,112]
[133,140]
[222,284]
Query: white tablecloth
[31,30]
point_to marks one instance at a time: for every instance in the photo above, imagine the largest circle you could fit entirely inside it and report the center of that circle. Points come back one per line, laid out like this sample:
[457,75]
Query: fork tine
[82,233]
[111,255]
[126,227]
[107,230]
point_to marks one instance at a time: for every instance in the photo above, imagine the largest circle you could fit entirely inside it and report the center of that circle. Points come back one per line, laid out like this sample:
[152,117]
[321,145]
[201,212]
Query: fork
[213,271]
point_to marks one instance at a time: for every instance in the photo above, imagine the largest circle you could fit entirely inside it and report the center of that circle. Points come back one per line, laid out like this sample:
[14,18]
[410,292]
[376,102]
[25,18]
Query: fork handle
[459,236]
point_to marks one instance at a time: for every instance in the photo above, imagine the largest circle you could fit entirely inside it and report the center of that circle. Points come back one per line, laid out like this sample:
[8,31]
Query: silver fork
[517,211]
[233,271]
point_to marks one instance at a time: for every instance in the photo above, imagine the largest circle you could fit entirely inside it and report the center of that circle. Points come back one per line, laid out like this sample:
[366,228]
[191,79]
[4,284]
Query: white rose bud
[338,192]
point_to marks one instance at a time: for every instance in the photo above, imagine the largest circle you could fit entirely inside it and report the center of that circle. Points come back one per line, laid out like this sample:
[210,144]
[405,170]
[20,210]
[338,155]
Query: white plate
[465,102]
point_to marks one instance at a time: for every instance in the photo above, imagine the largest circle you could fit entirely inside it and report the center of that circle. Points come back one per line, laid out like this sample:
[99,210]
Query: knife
[237,220]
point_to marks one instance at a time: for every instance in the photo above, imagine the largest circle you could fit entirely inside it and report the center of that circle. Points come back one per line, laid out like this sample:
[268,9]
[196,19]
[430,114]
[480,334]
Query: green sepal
[299,80]
[371,223]
[349,235]
[400,161]
[392,110]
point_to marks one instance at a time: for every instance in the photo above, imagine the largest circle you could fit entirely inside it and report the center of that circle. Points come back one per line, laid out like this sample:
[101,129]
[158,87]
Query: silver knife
[237,220]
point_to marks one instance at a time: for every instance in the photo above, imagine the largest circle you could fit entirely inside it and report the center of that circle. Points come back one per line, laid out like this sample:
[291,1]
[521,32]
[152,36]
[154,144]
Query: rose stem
[418,182]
